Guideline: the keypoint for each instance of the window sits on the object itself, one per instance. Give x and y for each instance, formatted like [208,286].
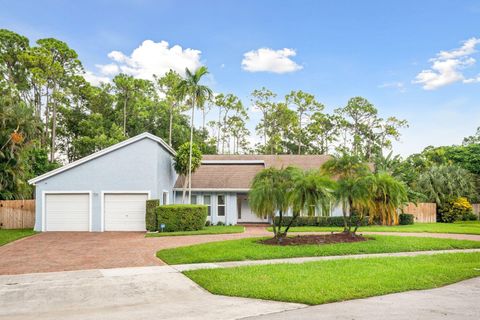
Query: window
[165,197]
[207,202]
[193,199]
[221,205]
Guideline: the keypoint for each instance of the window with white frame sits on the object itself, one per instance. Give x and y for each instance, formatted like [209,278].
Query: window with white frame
[193,199]
[207,200]
[221,205]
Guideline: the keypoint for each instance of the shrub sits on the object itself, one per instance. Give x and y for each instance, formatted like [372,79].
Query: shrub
[317,221]
[457,209]
[405,218]
[207,223]
[469,217]
[150,215]
[182,217]
[220,223]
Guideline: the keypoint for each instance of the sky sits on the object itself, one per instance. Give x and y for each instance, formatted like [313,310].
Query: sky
[415,60]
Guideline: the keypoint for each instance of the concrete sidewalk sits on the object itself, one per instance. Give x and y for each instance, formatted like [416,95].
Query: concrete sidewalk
[129,293]
[230,264]
[459,301]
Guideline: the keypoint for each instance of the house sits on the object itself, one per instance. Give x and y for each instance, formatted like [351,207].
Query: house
[107,190]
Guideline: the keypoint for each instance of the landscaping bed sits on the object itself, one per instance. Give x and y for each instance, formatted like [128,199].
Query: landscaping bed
[9,235]
[315,239]
[204,231]
[251,249]
[338,280]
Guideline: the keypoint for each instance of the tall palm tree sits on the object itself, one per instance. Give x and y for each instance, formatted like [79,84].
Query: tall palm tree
[191,89]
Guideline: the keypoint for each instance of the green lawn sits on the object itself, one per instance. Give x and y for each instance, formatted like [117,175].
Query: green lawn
[472,227]
[250,249]
[206,230]
[10,235]
[338,280]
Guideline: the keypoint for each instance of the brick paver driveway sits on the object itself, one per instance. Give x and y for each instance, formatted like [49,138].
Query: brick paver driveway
[63,251]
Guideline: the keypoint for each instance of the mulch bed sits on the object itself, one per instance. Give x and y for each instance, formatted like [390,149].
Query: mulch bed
[315,239]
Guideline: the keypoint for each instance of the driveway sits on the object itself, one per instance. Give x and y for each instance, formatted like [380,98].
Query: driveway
[66,251]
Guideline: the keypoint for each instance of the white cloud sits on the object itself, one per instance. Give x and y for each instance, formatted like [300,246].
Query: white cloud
[95,79]
[148,59]
[400,86]
[268,60]
[447,67]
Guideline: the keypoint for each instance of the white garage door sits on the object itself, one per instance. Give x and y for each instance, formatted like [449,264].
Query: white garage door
[67,212]
[125,211]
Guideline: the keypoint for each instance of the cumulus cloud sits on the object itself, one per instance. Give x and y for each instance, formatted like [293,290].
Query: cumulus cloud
[269,60]
[95,79]
[148,59]
[447,67]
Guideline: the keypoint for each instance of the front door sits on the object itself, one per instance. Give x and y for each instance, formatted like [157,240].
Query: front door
[245,214]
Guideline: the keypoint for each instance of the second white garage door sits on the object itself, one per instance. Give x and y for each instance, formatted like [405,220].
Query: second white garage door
[125,211]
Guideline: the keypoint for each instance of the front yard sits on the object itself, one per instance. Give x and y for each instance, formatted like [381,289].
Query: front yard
[206,230]
[471,227]
[9,235]
[338,280]
[250,249]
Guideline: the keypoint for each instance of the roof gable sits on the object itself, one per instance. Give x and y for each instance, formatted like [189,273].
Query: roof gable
[105,151]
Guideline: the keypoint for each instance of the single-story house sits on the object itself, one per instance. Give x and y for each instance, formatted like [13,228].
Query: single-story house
[106,191]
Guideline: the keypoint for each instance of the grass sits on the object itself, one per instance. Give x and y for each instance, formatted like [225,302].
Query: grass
[9,235]
[337,280]
[250,249]
[470,227]
[206,230]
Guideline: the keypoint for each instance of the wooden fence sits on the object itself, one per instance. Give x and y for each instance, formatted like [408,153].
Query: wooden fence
[17,214]
[476,209]
[423,212]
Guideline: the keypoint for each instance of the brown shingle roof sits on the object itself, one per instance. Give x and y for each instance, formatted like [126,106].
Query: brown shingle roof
[239,176]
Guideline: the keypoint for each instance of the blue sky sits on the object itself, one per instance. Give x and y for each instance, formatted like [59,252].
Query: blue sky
[335,50]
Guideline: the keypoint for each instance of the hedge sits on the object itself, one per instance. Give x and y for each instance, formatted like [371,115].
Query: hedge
[181,217]
[317,221]
[150,215]
[405,218]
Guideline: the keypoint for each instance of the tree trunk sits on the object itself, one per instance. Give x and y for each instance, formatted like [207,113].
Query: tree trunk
[54,130]
[47,116]
[190,155]
[170,126]
[184,190]
[125,116]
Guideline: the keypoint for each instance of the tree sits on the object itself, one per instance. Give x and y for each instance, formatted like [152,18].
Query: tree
[322,131]
[351,191]
[442,183]
[197,94]
[385,196]
[305,104]
[168,85]
[282,122]
[186,161]
[226,104]
[262,100]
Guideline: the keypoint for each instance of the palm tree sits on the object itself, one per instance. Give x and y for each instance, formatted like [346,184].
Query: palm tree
[351,191]
[311,191]
[270,194]
[197,94]
[386,195]
[275,191]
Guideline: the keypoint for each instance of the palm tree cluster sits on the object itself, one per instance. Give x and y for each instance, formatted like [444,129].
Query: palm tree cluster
[347,181]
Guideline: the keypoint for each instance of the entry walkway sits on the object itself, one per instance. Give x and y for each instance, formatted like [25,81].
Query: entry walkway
[230,264]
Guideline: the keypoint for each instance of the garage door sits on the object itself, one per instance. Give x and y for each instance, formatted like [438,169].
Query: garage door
[67,212]
[125,212]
